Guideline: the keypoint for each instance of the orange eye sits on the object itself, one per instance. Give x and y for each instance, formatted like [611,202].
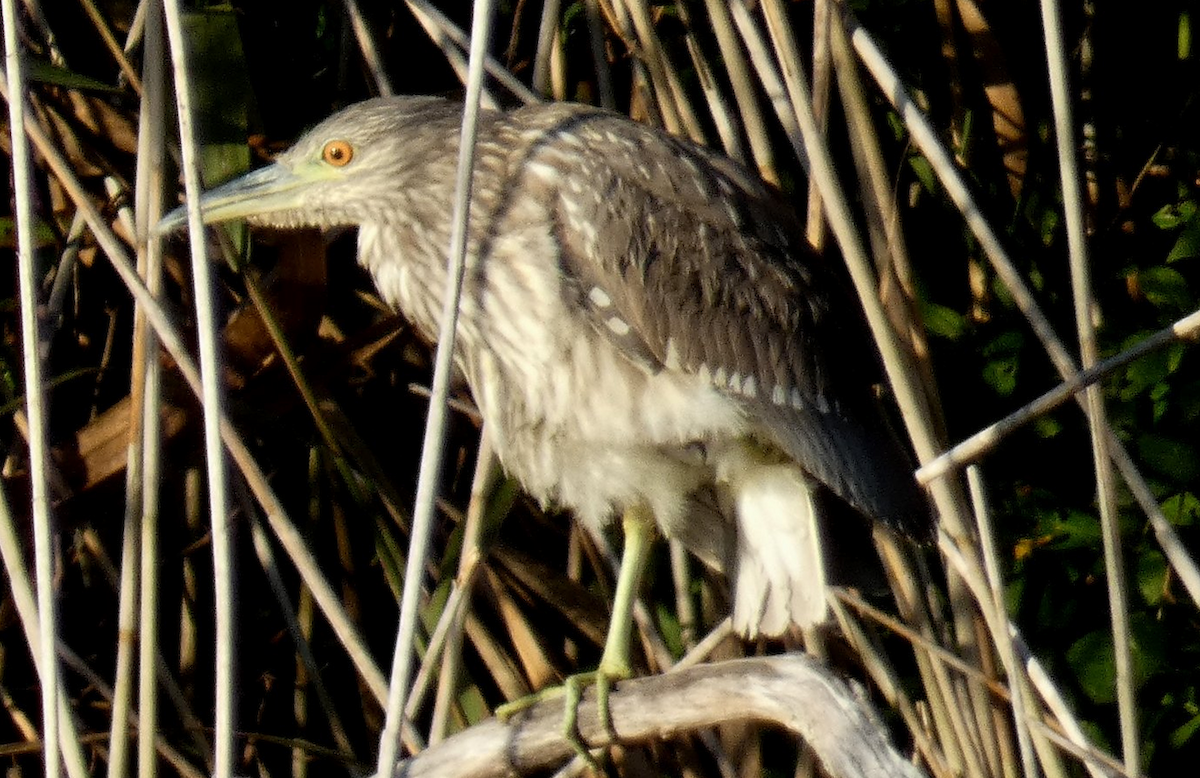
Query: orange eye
[338,153]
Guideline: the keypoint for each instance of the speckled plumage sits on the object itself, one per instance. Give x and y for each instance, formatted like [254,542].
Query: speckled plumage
[641,324]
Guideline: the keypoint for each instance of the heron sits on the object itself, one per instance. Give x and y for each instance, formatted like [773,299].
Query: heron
[643,327]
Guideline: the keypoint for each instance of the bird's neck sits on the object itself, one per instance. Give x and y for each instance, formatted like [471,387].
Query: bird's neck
[409,268]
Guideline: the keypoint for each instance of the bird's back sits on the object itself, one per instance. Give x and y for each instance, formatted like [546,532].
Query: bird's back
[687,264]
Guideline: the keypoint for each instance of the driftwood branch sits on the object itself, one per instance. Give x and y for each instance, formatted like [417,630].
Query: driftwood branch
[792,691]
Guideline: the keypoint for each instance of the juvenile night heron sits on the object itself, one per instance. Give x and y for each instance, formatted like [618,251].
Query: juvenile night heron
[642,326]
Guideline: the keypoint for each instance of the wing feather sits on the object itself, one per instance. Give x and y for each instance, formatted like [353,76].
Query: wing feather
[708,269]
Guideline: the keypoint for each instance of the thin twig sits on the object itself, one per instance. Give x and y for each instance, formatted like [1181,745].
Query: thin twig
[483,485]
[678,114]
[887,680]
[991,565]
[148,207]
[604,80]
[546,42]
[973,448]
[39,455]
[17,578]
[969,568]
[110,43]
[744,91]
[728,127]
[1114,567]
[224,726]
[164,749]
[90,541]
[366,47]
[444,32]
[266,558]
[884,229]
[429,475]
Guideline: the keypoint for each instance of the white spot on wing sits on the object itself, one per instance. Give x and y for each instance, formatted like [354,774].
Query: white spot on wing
[779,395]
[720,376]
[735,381]
[618,325]
[599,297]
[704,373]
[750,387]
[796,400]
[543,170]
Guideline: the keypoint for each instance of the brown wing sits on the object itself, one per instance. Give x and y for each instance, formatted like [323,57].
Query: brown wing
[686,262]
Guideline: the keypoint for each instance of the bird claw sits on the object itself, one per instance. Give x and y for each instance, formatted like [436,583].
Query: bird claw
[572,690]
[574,687]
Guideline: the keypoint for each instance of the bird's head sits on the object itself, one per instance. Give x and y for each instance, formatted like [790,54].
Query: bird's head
[347,170]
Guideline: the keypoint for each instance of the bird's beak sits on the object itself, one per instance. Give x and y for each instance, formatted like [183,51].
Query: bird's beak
[267,190]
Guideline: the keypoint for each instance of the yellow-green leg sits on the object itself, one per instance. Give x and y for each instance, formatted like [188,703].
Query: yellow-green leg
[614,662]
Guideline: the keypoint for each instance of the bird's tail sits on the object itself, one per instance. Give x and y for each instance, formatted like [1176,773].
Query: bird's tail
[777,567]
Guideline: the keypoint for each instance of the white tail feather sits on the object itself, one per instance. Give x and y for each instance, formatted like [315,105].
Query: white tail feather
[779,570]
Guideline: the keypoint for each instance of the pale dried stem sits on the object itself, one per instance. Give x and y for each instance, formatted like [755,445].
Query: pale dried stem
[35,401]
[1081,287]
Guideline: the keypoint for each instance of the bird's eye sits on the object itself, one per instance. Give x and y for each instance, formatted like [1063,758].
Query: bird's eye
[338,153]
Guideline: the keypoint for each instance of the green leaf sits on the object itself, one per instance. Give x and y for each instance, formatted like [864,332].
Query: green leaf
[1001,375]
[966,136]
[1165,287]
[1172,458]
[43,234]
[1077,529]
[671,629]
[1180,736]
[1182,510]
[223,99]
[1091,657]
[474,705]
[1175,352]
[1173,216]
[1047,426]
[1049,226]
[943,322]
[1036,279]
[1151,576]
[924,173]
[45,73]
[1183,37]
[1001,369]
[1149,647]
[1144,373]
[1187,245]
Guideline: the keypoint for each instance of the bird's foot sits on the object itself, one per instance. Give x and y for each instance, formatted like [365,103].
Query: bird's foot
[572,690]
